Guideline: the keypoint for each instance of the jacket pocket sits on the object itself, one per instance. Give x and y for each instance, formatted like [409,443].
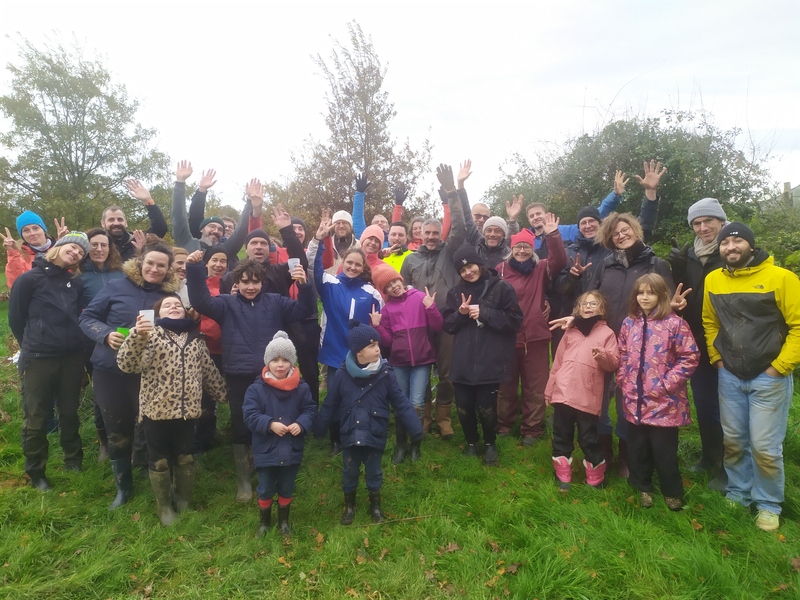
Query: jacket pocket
[379,421]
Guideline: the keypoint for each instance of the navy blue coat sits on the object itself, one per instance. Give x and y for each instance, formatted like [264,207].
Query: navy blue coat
[364,411]
[264,404]
[247,325]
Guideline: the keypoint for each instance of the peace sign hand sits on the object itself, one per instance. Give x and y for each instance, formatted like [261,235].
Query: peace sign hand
[8,241]
[678,301]
[61,229]
[577,269]
[428,300]
[464,308]
[375,317]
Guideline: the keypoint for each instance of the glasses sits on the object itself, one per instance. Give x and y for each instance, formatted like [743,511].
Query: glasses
[698,223]
[591,304]
[96,245]
[522,248]
[480,217]
[624,231]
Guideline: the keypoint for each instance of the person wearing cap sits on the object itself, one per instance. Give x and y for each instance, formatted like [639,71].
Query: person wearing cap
[530,277]
[360,397]
[279,411]
[483,315]
[43,310]
[35,242]
[751,317]
[116,225]
[690,266]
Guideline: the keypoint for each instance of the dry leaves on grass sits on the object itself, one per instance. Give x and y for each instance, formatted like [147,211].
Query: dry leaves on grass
[796,564]
[451,547]
[696,526]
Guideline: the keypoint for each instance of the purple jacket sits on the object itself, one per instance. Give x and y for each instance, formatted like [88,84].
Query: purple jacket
[406,326]
[656,358]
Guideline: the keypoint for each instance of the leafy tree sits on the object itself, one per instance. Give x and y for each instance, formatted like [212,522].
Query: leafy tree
[358,119]
[72,139]
[702,161]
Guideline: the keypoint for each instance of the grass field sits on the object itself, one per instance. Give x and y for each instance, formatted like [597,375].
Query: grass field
[456,530]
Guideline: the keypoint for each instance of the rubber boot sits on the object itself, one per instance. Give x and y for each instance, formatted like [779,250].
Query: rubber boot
[102,451]
[595,476]
[336,441]
[283,520]
[349,513]
[183,477]
[402,441]
[622,464]
[415,445]
[244,491]
[375,507]
[427,418]
[711,440]
[161,482]
[563,468]
[123,479]
[443,412]
[490,456]
[266,521]
[39,481]
[606,441]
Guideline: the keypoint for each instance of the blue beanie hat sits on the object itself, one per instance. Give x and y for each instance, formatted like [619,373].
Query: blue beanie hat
[29,218]
[361,336]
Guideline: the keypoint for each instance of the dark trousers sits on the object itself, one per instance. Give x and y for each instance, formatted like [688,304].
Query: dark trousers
[477,403]
[206,425]
[168,442]
[307,353]
[565,420]
[117,394]
[705,392]
[654,448]
[43,379]
[237,386]
[352,459]
[334,427]
[276,480]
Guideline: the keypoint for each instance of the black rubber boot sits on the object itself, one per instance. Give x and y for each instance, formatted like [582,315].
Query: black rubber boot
[375,507]
[123,479]
[349,513]
[161,482]
[283,520]
[415,450]
[490,455]
[471,450]
[266,521]
[606,442]
[39,481]
[402,441]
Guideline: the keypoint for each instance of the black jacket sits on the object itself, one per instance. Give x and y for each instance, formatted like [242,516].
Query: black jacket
[43,311]
[483,354]
[570,287]
[158,226]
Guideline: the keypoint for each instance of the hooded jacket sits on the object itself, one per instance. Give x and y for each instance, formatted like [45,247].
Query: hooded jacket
[117,305]
[43,310]
[656,359]
[405,328]
[751,318]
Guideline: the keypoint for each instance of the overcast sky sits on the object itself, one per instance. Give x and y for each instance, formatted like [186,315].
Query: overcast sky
[232,85]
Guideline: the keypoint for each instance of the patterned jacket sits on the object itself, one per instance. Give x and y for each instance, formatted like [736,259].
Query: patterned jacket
[175,368]
[656,358]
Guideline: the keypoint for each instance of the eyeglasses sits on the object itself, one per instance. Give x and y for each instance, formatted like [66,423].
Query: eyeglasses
[592,304]
[698,223]
[96,245]
[522,248]
[624,231]
[480,217]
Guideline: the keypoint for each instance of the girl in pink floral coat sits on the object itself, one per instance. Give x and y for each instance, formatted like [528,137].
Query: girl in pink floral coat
[657,355]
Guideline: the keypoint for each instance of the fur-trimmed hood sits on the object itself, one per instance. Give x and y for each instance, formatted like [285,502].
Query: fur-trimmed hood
[133,271]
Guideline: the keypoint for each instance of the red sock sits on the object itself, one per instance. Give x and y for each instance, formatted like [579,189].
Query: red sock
[284,501]
[264,503]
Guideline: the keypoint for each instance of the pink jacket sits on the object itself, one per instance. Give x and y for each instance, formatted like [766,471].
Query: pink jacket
[670,357]
[406,327]
[577,379]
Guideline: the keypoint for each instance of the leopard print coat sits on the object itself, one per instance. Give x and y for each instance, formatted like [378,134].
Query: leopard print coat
[175,368]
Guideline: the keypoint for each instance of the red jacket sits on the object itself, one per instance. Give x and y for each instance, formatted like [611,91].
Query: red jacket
[208,326]
[19,261]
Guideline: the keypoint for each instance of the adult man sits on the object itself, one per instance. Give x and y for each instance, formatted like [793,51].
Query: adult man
[342,240]
[432,266]
[690,267]
[397,251]
[116,225]
[751,316]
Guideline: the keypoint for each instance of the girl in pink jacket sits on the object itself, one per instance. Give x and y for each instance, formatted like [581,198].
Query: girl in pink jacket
[657,355]
[575,389]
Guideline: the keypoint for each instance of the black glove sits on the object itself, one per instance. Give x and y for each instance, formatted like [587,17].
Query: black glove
[444,173]
[677,256]
[361,183]
[400,195]
[442,195]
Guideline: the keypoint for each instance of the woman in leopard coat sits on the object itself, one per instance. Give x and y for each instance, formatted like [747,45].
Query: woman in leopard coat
[176,367]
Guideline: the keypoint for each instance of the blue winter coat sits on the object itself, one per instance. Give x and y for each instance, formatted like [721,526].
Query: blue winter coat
[247,325]
[264,404]
[95,279]
[364,411]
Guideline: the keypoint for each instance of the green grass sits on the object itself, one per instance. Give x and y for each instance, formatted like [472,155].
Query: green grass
[457,530]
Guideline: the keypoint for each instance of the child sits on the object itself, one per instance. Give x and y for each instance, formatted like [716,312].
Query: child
[176,367]
[657,355]
[361,392]
[279,410]
[405,324]
[575,388]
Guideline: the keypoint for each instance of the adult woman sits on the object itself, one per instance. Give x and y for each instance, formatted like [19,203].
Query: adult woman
[348,295]
[35,242]
[148,278]
[43,315]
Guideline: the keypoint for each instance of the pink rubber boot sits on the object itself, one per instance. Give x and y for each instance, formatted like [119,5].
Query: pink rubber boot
[595,476]
[563,467]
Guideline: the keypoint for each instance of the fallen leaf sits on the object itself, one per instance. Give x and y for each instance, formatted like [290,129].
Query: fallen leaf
[698,507]
[366,542]
[5,417]
[781,588]
[576,501]
[696,526]
[781,537]
[135,517]
[351,592]
[492,582]
[501,571]
[212,571]
[361,559]
[506,592]
[282,560]
[430,575]
[451,547]
[78,551]
[494,546]
[593,574]
[384,552]
[622,554]
[726,552]
[148,590]
[512,568]
[666,556]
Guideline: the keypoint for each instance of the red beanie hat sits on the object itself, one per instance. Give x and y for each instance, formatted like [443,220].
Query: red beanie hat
[525,236]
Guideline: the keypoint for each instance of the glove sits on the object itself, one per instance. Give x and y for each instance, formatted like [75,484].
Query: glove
[361,183]
[444,173]
[400,195]
[677,256]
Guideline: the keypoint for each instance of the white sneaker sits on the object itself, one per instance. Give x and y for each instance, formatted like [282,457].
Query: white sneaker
[767,521]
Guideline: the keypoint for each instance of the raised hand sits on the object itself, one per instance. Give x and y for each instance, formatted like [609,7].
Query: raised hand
[678,301]
[280,217]
[325,226]
[195,257]
[551,223]
[619,183]
[464,308]
[384,252]
[375,317]
[255,191]
[444,173]
[653,172]
[577,268]
[400,194]
[61,228]
[361,183]
[143,326]
[138,240]
[514,207]
[428,300]
[207,180]
[464,172]
[8,241]
[184,171]
[138,191]
[563,323]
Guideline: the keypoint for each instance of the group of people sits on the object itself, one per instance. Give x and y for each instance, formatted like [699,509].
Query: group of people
[165,332]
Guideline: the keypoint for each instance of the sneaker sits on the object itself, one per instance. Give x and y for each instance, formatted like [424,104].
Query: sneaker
[767,521]
[675,504]
[646,499]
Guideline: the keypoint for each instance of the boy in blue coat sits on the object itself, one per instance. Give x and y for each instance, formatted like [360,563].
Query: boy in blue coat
[361,394]
[279,410]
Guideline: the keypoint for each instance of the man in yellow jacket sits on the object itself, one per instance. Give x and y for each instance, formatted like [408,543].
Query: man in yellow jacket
[751,316]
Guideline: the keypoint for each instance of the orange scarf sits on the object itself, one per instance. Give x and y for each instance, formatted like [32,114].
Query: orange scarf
[291,381]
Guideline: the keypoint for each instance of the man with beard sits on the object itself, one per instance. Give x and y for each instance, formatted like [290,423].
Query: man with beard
[751,317]
[398,250]
[116,225]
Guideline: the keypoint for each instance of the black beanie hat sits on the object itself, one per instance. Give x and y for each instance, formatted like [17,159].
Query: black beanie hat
[299,221]
[589,211]
[467,255]
[216,220]
[256,233]
[739,230]
[360,336]
[218,249]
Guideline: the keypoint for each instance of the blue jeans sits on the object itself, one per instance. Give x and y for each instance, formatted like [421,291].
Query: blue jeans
[754,413]
[414,381]
[280,480]
[352,457]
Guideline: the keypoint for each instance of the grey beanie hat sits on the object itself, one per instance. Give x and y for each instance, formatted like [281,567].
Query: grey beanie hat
[707,207]
[497,222]
[75,237]
[280,345]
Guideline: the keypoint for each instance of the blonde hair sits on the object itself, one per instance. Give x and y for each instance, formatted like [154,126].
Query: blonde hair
[658,286]
[601,303]
[52,254]
[609,224]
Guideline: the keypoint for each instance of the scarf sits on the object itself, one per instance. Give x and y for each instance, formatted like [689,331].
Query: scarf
[526,267]
[290,382]
[358,372]
[176,325]
[705,251]
[42,249]
[585,325]
[627,256]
